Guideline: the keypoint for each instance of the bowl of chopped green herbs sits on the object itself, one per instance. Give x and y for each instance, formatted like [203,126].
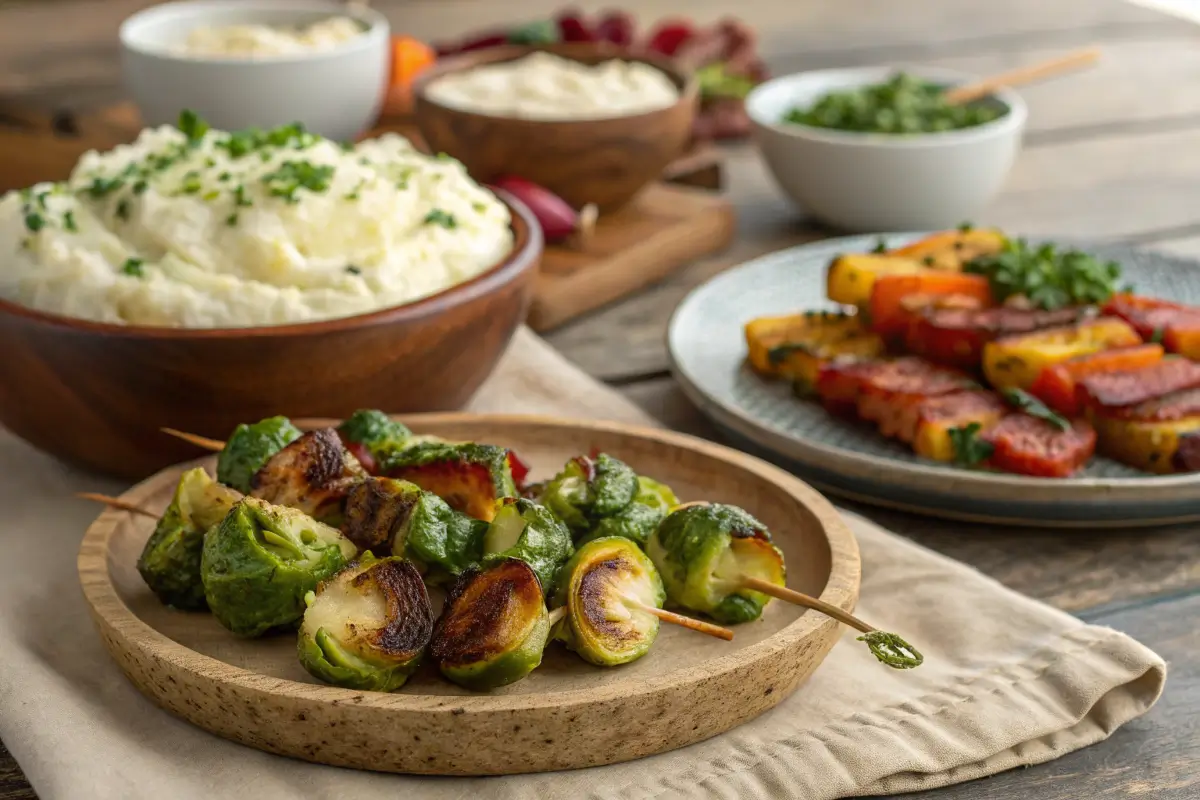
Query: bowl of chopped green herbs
[880,149]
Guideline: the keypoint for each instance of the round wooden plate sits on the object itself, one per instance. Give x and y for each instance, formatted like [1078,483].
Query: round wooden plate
[566,714]
[707,347]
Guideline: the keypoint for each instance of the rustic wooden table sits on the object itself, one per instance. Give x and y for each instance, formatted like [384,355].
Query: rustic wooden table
[1112,154]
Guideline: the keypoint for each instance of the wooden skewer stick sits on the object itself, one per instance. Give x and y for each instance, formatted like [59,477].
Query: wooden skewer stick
[116,502]
[680,620]
[557,614]
[200,441]
[1046,69]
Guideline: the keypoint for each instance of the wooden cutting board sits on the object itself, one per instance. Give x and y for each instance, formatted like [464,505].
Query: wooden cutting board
[672,223]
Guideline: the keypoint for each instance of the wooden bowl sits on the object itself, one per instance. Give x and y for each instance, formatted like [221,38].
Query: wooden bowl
[567,713]
[601,161]
[97,395]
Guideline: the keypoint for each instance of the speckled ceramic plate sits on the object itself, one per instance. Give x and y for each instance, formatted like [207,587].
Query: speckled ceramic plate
[708,352]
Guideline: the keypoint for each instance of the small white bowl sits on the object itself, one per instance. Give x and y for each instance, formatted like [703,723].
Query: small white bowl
[882,182]
[336,92]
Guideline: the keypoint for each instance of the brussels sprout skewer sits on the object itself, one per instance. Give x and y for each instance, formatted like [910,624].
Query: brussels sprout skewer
[888,648]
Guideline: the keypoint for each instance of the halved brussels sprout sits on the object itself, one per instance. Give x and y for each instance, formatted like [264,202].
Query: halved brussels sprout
[312,474]
[249,447]
[373,432]
[170,561]
[401,519]
[655,494]
[589,489]
[367,626]
[261,560]
[603,586]
[704,552]
[638,519]
[470,477]
[522,529]
[493,627]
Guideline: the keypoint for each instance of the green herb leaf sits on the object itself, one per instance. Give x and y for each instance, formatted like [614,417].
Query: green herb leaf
[123,209]
[353,270]
[881,245]
[69,222]
[439,217]
[34,221]
[1156,336]
[969,449]
[133,267]
[1048,277]
[292,176]
[1034,407]
[191,126]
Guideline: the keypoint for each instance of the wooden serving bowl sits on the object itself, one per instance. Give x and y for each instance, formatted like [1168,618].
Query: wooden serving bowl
[567,713]
[601,161]
[97,395]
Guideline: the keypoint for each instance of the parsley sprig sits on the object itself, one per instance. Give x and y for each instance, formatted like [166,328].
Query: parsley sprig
[1048,277]
[970,449]
[1023,400]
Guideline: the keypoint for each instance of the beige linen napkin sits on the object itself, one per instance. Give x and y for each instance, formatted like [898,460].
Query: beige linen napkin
[1007,681]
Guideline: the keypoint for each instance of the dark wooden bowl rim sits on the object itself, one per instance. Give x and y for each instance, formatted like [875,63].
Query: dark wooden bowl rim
[527,249]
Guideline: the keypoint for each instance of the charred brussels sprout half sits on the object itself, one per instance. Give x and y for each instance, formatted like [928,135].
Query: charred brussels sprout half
[493,627]
[470,477]
[374,431]
[589,489]
[261,560]
[249,447]
[399,518]
[524,530]
[170,561]
[704,552]
[367,626]
[603,586]
[312,474]
[639,519]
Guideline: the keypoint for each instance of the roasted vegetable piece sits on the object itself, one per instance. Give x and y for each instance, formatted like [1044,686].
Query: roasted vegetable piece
[399,518]
[602,586]
[1015,361]
[938,416]
[1151,435]
[956,337]
[249,447]
[262,559]
[703,553]
[795,347]
[1026,445]
[639,519]
[1175,325]
[312,474]
[1056,384]
[949,250]
[588,489]
[493,628]
[896,300]
[850,278]
[1115,389]
[470,477]
[892,397]
[367,627]
[839,383]
[368,432]
[1187,454]
[527,531]
[170,561]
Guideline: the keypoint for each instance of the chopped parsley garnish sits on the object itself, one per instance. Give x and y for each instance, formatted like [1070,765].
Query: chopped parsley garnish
[439,217]
[880,246]
[965,227]
[123,209]
[1034,407]
[191,126]
[1156,336]
[224,176]
[1050,278]
[293,176]
[353,270]
[133,267]
[191,182]
[34,221]
[69,222]
[140,187]
[102,187]
[232,219]
[969,449]
[240,199]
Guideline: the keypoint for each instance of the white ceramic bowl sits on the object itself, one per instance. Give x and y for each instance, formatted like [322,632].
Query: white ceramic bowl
[882,182]
[336,93]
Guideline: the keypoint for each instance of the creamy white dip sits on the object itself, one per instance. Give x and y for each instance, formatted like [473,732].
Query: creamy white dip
[208,229]
[545,86]
[264,41]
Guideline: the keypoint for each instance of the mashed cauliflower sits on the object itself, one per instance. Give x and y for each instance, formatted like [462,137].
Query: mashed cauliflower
[264,41]
[193,228]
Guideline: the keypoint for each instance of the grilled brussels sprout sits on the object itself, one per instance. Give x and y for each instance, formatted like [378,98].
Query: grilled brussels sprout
[589,489]
[367,627]
[261,560]
[170,561]
[401,519]
[312,474]
[375,432]
[493,628]
[249,447]
[522,529]
[470,477]
[703,552]
[602,586]
[637,520]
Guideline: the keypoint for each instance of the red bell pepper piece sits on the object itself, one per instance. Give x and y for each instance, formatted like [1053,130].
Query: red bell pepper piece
[1056,384]
[1027,445]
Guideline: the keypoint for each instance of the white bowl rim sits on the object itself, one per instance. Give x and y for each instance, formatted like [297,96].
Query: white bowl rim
[377,29]
[1010,123]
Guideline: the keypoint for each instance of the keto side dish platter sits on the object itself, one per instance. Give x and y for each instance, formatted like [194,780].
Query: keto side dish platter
[458,594]
[963,373]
